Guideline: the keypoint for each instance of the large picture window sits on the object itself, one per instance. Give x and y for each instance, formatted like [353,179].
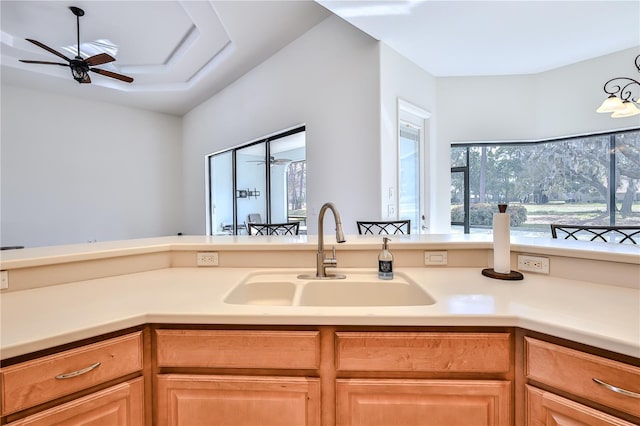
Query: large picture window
[263,181]
[586,180]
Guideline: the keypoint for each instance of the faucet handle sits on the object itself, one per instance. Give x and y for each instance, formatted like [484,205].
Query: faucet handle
[331,261]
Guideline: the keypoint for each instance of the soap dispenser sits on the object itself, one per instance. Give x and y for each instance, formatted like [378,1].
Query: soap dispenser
[385,261]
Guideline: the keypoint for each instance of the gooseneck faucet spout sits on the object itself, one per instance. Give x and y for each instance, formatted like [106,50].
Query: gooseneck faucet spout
[321,261]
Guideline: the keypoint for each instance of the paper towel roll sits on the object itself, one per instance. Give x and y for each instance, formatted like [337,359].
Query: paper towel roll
[501,243]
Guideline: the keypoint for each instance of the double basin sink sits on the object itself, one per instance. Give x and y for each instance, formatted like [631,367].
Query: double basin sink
[357,289]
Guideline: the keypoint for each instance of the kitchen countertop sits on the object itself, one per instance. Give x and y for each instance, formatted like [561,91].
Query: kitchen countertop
[595,314]
[37,256]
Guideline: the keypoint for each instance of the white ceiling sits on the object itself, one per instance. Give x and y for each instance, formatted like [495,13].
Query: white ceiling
[180,53]
[466,38]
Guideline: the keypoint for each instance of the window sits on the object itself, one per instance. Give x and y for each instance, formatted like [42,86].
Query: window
[409,174]
[257,181]
[412,123]
[586,180]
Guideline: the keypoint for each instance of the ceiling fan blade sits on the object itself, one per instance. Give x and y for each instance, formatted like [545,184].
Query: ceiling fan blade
[48,49]
[99,59]
[113,75]
[42,62]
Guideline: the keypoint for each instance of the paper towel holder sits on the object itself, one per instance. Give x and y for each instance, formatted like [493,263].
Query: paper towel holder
[511,275]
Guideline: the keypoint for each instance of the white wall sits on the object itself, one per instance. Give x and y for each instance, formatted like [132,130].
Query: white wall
[328,79]
[401,78]
[555,103]
[74,171]
[566,98]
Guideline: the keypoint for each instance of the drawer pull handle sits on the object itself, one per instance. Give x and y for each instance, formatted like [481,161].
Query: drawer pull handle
[78,372]
[617,389]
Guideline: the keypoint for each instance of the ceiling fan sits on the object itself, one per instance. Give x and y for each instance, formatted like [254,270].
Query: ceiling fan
[80,67]
[272,161]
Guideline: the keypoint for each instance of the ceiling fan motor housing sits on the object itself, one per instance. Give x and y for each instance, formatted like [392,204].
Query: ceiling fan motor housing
[79,69]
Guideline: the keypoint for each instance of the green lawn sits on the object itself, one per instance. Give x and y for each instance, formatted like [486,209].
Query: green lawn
[580,214]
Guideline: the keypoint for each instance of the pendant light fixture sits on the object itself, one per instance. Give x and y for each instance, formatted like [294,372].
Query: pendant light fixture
[620,102]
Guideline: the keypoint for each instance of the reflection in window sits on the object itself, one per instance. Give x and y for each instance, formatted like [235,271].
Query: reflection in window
[627,178]
[297,193]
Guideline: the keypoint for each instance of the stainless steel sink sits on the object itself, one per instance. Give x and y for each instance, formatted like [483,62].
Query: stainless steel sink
[358,289]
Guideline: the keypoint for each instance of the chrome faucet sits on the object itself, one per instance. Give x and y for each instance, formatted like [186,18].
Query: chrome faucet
[321,262]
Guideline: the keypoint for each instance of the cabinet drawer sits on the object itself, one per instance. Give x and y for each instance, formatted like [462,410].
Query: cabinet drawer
[573,371]
[119,405]
[429,352]
[545,408]
[34,382]
[238,349]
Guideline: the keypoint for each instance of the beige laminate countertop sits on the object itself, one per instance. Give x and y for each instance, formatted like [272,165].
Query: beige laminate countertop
[38,256]
[595,314]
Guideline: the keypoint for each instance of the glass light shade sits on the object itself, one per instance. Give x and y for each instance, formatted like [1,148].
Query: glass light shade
[611,104]
[628,110]
[78,73]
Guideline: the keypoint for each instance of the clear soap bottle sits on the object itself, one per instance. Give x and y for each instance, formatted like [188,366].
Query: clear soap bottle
[385,261]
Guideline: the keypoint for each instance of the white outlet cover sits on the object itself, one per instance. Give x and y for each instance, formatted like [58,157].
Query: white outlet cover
[538,264]
[207,258]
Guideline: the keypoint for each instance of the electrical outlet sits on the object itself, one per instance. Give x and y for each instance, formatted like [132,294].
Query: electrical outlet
[533,264]
[435,258]
[4,279]
[208,258]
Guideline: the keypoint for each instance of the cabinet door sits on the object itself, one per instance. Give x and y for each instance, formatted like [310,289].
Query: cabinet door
[119,405]
[547,409]
[208,400]
[388,402]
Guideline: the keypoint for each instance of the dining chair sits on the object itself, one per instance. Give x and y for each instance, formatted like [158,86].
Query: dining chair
[384,227]
[273,228]
[616,234]
[254,218]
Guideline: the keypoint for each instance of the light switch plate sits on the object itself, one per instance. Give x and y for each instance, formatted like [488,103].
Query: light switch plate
[391,210]
[435,258]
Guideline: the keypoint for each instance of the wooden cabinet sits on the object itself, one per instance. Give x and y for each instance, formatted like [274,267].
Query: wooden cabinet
[548,409]
[208,400]
[277,385]
[119,405]
[42,390]
[404,402]
[423,378]
[573,376]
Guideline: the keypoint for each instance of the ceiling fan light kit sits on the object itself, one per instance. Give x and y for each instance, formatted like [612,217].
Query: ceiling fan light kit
[620,102]
[80,67]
